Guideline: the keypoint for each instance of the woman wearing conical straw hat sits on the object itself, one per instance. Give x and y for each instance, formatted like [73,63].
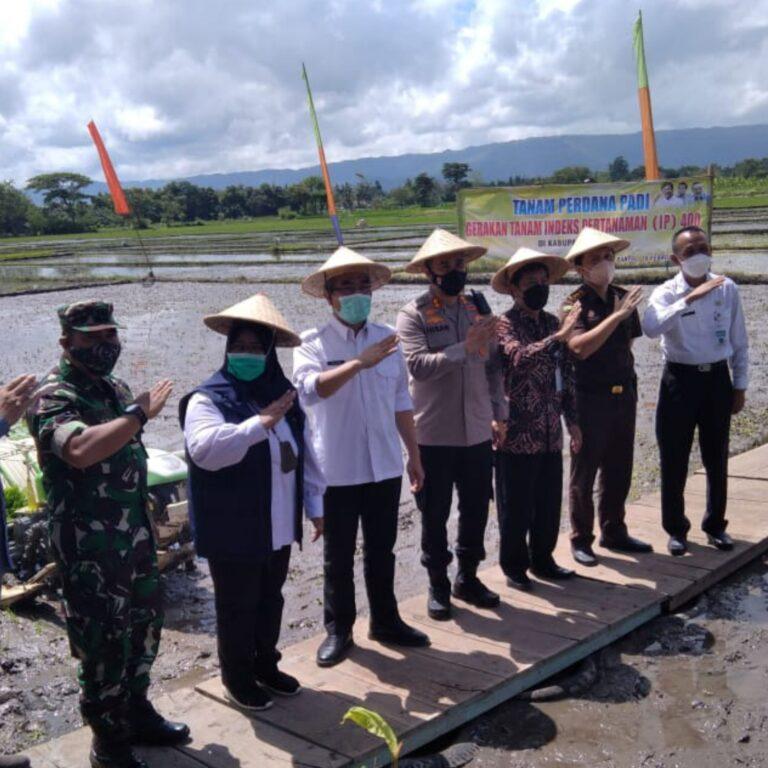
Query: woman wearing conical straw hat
[538,381]
[351,378]
[606,392]
[456,387]
[252,470]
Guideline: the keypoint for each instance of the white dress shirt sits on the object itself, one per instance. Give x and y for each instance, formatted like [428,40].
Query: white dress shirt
[214,444]
[707,330]
[354,429]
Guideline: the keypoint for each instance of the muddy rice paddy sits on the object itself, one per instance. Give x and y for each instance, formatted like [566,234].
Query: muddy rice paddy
[686,690]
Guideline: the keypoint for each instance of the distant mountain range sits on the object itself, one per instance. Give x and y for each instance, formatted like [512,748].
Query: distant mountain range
[526,157]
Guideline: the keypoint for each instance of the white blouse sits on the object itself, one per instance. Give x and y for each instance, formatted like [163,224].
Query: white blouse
[213,444]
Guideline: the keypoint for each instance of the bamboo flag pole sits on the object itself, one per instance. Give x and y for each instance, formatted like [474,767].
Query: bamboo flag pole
[644,96]
[323,164]
[116,191]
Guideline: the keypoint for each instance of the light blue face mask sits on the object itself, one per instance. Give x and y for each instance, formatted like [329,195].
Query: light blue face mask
[245,366]
[354,309]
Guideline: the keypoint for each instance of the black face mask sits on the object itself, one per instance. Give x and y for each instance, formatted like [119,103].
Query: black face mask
[536,297]
[99,359]
[452,283]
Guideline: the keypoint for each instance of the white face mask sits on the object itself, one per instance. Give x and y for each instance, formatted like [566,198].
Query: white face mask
[602,273]
[696,266]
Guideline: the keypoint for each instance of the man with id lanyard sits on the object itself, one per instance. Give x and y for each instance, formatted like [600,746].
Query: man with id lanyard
[351,378]
[699,318]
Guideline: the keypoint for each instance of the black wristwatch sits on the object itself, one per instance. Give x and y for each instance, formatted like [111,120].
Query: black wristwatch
[136,410]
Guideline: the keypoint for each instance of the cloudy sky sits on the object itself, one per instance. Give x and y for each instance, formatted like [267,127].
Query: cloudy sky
[181,87]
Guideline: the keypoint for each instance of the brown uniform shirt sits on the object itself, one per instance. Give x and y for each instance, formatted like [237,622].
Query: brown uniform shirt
[455,394]
[613,364]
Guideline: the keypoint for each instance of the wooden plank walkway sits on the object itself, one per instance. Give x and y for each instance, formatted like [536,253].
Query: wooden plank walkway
[477,660]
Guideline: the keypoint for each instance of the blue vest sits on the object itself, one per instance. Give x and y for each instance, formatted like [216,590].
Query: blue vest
[230,509]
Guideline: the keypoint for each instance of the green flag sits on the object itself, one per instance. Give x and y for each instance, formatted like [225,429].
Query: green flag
[637,39]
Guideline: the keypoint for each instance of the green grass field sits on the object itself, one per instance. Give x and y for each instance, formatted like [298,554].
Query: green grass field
[382,217]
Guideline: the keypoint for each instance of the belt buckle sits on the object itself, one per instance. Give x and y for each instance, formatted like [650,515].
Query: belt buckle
[704,368]
[617,389]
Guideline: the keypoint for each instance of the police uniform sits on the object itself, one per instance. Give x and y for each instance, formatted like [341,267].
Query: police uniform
[456,395]
[100,537]
[606,404]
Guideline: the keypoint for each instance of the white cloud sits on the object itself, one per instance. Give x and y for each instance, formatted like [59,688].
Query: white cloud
[196,87]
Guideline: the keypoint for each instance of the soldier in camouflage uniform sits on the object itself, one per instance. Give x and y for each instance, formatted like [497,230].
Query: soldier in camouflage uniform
[87,427]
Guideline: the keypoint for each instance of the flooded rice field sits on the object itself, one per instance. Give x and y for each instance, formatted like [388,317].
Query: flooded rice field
[165,336]
[740,241]
[662,697]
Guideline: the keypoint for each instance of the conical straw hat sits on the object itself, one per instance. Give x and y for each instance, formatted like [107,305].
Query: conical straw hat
[442,243]
[344,260]
[257,309]
[556,265]
[589,239]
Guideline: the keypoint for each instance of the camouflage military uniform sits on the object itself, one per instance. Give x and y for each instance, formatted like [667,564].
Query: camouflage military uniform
[102,541]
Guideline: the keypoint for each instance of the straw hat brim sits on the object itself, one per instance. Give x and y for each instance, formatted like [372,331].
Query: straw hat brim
[616,246]
[258,310]
[472,252]
[556,266]
[314,285]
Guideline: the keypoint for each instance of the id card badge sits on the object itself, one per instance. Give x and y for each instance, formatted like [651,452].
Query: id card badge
[288,459]
[558,379]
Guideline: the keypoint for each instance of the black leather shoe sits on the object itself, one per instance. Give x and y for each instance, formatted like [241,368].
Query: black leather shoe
[720,540]
[471,590]
[584,555]
[399,634]
[677,545]
[519,581]
[14,761]
[148,726]
[439,604]
[333,649]
[279,683]
[552,571]
[113,753]
[628,544]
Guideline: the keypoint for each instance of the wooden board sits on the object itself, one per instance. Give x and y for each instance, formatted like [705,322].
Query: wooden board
[477,660]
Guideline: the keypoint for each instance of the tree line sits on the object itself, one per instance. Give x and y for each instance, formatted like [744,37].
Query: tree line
[66,207]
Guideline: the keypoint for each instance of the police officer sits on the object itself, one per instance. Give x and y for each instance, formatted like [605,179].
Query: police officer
[14,400]
[606,396]
[701,323]
[446,337]
[87,427]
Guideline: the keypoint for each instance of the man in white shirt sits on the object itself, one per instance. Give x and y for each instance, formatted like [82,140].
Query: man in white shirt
[352,381]
[699,318]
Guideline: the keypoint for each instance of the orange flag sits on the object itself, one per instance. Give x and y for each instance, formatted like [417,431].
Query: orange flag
[118,196]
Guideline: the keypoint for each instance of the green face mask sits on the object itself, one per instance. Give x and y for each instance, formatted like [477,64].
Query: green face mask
[245,366]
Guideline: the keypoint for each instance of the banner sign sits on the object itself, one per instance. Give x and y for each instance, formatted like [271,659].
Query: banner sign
[549,217]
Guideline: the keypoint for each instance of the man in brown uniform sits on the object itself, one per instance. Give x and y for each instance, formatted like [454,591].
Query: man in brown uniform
[606,395]
[446,337]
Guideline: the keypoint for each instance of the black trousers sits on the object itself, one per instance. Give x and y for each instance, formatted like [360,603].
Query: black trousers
[249,610]
[529,490]
[608,429]
[689,398]
[470,469]
[375,506]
